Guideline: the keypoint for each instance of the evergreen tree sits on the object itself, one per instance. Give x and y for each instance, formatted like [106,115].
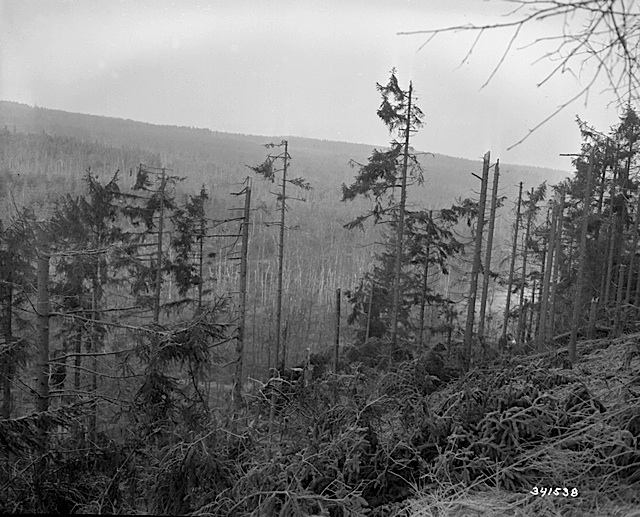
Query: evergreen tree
[190,229]
[430,242]
[268,170]
[387,170]
[16,271]
[85,231]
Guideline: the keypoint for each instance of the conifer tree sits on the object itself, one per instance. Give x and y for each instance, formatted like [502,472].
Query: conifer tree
[85,229]
[430,242]
[16,269]
[268,170]
[190,230]
[388,170]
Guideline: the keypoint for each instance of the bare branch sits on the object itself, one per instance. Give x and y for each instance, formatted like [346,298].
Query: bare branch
[504,56]
[605,33]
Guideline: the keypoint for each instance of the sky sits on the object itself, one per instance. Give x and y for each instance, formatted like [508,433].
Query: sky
[298,68]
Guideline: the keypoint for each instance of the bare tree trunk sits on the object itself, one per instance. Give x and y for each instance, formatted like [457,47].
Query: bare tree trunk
[336,350]
[42,371]
[620,290]
[521,316]
[96,342]
[158,286]
[425,282]
[283,208]
[543,265]
[577,300]
[543,334]
[512,267]
[487,261]
[77,341]
[285,335]
[556,265]
[477,258]
[608,279]
[533,311]
[601,190]
[201,263]
[281,256]
[632,256]
[367,333]
[42,308]
[243,298]
[613,234]
[6,295]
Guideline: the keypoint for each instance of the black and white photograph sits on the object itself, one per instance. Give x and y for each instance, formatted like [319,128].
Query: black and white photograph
[282,258]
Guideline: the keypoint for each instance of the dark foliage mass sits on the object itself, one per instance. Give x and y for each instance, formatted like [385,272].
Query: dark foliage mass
[347,445]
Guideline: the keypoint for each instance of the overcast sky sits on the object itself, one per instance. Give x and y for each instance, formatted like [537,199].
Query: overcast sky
[294,67]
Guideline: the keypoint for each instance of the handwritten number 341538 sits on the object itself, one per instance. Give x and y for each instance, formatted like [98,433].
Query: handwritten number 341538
[554,491]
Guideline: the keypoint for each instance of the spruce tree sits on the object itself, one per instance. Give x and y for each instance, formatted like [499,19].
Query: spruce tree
[387,170]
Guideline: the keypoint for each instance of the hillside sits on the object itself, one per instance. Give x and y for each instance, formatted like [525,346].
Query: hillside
[506,437]
[143,372]
[216,158]
[45,153]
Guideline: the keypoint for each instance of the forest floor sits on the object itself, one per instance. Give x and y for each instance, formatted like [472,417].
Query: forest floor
[528,436]
[606,379]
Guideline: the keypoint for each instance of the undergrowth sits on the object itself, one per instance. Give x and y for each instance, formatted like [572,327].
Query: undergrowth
[363,442]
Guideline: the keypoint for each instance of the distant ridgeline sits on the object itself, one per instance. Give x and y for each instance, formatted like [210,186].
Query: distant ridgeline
[74,142]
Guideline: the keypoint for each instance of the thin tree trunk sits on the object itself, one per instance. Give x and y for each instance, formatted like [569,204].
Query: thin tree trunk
[477,258]
[613,233]
[397,294]
[620,290]
[42,308]
[593,317]
[556,266]
[632,256]
[449,328]
[96,341]
[601,192]
[512,266]
[200,263]
[158,286]
[425,282]
[77,341]
[336,350]
[622,210]
[571,252]
[283,207]
[281,256]
[42,371]
[543,334]
[368,331]
[243,298]
[487,261]
[577,300]
[521,316]
[6,295]
[543,266]
[608,279]
[532,311]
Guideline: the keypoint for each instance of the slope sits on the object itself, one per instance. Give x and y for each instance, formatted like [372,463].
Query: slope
[204,155]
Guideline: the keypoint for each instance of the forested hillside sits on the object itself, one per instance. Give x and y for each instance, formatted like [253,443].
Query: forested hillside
[194,322]
[217,159]
[46,154]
